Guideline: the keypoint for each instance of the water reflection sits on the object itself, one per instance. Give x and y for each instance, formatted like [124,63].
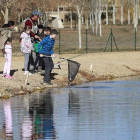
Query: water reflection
[8,120]
[41,110]
[103,111]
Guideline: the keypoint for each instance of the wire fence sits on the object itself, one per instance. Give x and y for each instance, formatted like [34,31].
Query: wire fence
[114,38]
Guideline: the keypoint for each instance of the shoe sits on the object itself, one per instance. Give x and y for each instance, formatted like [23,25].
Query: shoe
[26,73]
[39,70]
[3,75]
[8,76]
[47,82]
[33,71]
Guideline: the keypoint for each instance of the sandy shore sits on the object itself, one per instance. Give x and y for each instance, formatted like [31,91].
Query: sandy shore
[105,66]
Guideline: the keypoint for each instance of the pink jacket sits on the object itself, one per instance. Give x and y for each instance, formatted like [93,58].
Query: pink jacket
[26,44]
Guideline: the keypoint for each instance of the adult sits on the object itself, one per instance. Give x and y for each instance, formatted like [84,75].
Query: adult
[32,22]
[5,33]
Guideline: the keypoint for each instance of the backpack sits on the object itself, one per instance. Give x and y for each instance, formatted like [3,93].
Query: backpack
[3,32]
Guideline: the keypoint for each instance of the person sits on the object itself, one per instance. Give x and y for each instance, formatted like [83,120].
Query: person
[8,58]
[32,22]
[46,32]
[5,33]
[37,41]
[47,49]
[26,46]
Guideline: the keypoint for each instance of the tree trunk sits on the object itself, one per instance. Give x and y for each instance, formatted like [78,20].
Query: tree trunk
[71,19]
[90,19]
[121,12]
[100,20]
[92,23]
[106,12]
[82,20]
[19,22]
[79,22]
[87,23]
[134,16]
[128,11]
[114,11]
[96,20]
[79,27]
[137,9]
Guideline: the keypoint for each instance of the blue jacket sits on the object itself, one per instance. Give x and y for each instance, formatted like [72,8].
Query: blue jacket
[47,45]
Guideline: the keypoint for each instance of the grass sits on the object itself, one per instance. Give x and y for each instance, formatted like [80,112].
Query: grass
[124,37]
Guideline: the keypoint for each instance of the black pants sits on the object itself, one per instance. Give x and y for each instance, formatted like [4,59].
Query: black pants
[38,62]
[48,67]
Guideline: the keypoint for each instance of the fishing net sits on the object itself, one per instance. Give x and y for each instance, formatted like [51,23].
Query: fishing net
[73,68]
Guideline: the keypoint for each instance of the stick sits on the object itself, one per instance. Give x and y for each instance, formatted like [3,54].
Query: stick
[43,55]
[58,63]
[27,75]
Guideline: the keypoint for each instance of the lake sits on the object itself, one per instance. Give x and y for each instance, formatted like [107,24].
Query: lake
[102,110]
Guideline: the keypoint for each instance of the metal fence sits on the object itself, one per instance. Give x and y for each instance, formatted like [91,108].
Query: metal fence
[114,38]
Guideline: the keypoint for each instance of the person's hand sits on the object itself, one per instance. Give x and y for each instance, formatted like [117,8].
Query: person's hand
[53,55]
[36,36]
[40,39]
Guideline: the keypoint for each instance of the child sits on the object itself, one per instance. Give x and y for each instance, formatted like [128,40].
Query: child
[26,46]
[37,41]
[8,58]
[47,49]
[46,32]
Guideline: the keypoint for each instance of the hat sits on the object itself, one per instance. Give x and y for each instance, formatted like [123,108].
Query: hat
[36,13]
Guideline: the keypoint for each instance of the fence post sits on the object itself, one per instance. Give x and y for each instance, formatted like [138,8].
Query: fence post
[59,41]
[111,39]
[135,39]
[86,41]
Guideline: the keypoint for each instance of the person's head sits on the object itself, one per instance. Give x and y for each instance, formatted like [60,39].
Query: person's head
[54,33]
[40,28]
[47,30]
[11,24]
[35,15]
[27,29]
[5,26]
[8,41]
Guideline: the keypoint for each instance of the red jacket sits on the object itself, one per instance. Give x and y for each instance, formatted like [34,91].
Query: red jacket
[29,23]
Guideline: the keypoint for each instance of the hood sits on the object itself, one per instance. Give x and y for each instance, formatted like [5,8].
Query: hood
[23,35]
[1,29]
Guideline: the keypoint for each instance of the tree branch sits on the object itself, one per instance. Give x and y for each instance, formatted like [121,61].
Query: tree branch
[2,12]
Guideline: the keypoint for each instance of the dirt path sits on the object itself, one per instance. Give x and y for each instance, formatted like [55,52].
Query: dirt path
[105,66]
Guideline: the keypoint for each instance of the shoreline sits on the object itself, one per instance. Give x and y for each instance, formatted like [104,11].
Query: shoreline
[94,67]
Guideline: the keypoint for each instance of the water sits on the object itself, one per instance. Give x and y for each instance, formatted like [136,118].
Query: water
[105,110]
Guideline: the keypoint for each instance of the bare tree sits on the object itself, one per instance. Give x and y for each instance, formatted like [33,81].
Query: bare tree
[134,13]
[92,15]
[5,6]
[114,10]
[79,5]
[121,12]
[100,20]
[106,12]
[128,11]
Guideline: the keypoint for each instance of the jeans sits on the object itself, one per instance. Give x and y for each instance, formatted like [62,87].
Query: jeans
[48,67]
[32,60]
[26,56]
